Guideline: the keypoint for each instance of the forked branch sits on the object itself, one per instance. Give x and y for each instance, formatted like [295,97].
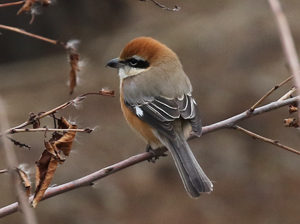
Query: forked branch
[74,102]
[287,43]
[91,178]
[268,140]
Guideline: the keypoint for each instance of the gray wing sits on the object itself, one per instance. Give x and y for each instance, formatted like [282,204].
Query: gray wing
[160,112]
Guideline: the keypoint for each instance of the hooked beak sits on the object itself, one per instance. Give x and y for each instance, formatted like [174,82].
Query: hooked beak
[115,63]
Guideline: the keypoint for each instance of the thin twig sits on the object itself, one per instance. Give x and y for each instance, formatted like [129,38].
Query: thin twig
[287,43]
[269,93]
[4,171]
[175,9]
[230,122]
[89,179]
[19,144]
[11,4]
[268,140]
[17,30]
[287,95]
[13,131]
[12,163]
[74,101]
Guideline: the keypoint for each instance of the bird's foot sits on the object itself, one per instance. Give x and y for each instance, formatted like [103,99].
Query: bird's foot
[156,153]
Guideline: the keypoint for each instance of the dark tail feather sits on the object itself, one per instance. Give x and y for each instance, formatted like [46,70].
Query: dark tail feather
[193,177]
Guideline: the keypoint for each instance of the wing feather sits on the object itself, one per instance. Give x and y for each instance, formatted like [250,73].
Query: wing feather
[160,112]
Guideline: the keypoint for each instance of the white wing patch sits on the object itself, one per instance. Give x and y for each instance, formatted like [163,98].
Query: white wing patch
[138,111]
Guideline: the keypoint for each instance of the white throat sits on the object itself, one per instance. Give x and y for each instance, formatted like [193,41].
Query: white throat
[128,71]
[122,73]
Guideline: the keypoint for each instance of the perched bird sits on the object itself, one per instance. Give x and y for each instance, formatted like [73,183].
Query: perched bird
[156,100]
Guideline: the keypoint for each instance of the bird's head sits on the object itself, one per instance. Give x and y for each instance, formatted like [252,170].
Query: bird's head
[142,54]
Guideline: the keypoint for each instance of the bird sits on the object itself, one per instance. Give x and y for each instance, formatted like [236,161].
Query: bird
[156,100]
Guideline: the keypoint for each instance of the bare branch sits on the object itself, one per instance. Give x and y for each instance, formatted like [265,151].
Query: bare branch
[175,9]
[89,179]
[12,164]
[11,4]
[287,42]
[287,95]
[13,131]
[17,30]
[268,140]
[230,122]
[4,171]
[269,93]
[19,144]
[75,101]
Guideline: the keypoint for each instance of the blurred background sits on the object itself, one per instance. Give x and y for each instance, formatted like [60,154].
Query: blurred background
[231,51]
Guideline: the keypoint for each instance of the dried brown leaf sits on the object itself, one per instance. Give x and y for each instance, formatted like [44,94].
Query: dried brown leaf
[291,122]
[47,164]
[293,109]
[64,142]
[25,181]
[45,169]
[74,59]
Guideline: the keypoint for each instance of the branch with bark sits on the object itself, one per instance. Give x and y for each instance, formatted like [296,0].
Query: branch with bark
[12,163]
[88,180]
[288,44]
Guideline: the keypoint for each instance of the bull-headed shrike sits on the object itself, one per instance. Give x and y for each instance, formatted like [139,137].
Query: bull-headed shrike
[156,100]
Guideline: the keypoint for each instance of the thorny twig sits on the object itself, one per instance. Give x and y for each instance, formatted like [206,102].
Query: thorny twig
[175,9]
[268,140]
[287,43]
[252,108]
[89,179]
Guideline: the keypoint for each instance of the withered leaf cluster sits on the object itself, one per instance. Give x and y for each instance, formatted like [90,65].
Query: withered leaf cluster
[51,157]
[291,121]
[28,4]
[74,59]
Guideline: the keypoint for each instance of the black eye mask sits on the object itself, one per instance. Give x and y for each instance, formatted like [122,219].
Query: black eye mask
[137,63]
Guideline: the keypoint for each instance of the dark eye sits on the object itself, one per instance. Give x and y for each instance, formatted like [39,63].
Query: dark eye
[133,62]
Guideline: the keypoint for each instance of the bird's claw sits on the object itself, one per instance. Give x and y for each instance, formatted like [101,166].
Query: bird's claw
[156,153]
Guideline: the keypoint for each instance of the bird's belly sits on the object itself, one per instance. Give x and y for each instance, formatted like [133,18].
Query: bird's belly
[142,128]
